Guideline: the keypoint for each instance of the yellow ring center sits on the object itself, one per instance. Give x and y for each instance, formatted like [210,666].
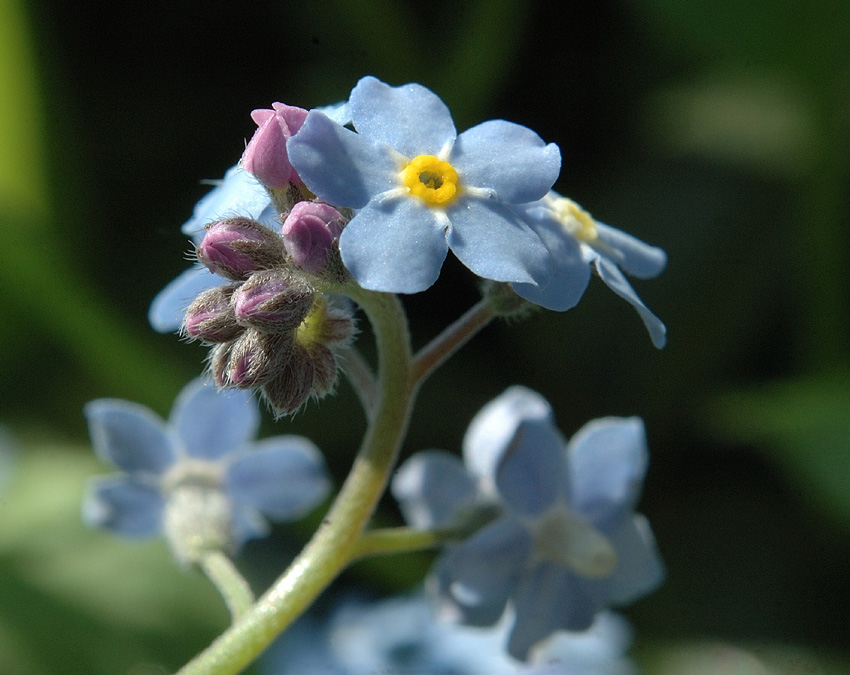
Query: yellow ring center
[431,179]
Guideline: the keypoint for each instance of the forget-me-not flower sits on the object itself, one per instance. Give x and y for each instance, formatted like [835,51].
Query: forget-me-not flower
[567,543]
[576,241]
[237,194]
[199,478]
[420,188]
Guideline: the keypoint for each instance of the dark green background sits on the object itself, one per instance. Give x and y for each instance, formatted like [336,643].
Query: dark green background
[717,130]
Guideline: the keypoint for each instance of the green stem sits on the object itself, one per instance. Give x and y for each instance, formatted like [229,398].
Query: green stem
[436,352]
[236,592]
[333,545]
[402,540]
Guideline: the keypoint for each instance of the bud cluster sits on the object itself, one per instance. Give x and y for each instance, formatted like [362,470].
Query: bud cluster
[269,328]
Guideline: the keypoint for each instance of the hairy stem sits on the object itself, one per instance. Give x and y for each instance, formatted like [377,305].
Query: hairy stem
[236,592]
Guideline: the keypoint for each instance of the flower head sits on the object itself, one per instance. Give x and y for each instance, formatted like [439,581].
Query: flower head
[567,543]
[420,188]
[199,478]
[576,242]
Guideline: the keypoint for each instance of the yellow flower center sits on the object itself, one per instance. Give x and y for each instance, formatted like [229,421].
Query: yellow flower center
[575,219]
[431,179]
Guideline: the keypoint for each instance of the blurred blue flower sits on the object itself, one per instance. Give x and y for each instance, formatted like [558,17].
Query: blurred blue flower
[237,194]
[566,543]
[200,473]
[400,635]
[421,188]
[576,241]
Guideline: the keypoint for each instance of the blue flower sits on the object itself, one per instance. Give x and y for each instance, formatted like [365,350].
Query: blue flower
[576,241]
[198,477]
[237,194]
[420,188]
[566,544]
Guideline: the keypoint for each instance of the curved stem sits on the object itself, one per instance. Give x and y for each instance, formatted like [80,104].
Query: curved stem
[436,352]
[223,574]
[402,540]
[334,543]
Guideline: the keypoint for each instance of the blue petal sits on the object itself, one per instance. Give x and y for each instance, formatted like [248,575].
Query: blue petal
[338,112]
[123,505]
[634,256]
[431,487]
[530,475]
[170,304]
[547,600]
[479,574]
[607,460]
[247,523]
[284,477]
[493,428]
[493,242]
[569,274]
[614,279]
[338,165]
[237,194]
[397,247]
[508,158]
[411,119]
[211,422]
[130,436]
[640,569]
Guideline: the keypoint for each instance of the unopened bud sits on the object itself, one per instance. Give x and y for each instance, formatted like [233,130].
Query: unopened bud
[265,156]
[235,247]
[309,233]
[210,317]
[254,357]
[272,301]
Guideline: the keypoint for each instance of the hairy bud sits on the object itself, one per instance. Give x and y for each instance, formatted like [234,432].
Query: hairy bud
[210,317]
[309,233]
[235,247]
[272,301]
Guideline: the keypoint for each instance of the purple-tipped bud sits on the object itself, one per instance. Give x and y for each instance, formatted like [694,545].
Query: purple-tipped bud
[235,247]
[255,357]
[210,317]
[309,233]
[265,156]
[272,301]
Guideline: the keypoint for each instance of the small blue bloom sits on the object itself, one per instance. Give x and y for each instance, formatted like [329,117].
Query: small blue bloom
[567,543]
[237,194]
[576,241]
[420,188]
[200,473]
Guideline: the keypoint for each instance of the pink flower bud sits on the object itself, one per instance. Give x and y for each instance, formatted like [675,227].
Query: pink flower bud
[210,317]
[272,302]
[309,232]
[235,247]
[265,156]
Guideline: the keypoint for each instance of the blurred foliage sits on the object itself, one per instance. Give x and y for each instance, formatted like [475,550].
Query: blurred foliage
[719,131]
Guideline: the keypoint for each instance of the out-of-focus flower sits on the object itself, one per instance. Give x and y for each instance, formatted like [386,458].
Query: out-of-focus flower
[420,188]
[199,478]
[576,242]
[567,543]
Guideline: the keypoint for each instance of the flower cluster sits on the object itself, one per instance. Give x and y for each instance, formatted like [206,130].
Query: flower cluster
[399,635]
[565,542]
[198,479]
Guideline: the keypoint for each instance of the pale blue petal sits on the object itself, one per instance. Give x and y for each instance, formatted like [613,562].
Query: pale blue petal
[569,273]
[247,523]
[480,573]
[614,279]
[124,506]
[397,246]
[431,487]
[169,306]
[508,158]
[494,427]
[338,112]
[211,422]
[284,477]
[237,194]
[640,570]
[411,119]
[607,461]
[493,242]
[530,476]
[130,436]
[548,599]
[634,256]
[338,165]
